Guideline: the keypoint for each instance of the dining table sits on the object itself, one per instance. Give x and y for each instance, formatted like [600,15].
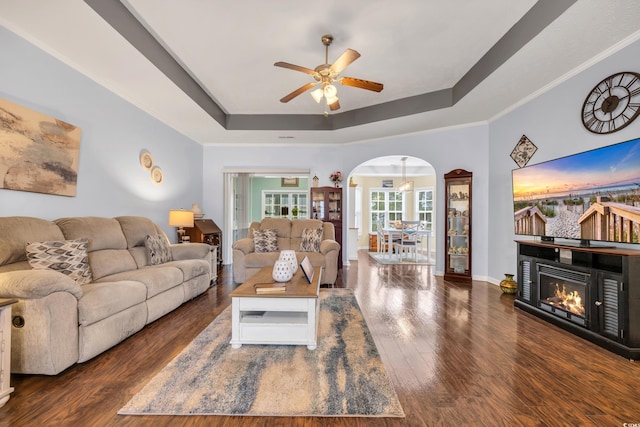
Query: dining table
[396,233]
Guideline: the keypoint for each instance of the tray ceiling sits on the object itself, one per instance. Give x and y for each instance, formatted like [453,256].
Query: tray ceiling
[206,67]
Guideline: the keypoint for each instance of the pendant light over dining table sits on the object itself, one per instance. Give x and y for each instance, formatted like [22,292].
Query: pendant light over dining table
[405,185]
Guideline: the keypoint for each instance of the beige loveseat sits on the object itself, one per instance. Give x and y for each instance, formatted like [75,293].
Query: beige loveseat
[246,261]
[57,321]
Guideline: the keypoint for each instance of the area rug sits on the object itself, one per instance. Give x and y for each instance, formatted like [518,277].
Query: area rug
[386,259]
[344,376]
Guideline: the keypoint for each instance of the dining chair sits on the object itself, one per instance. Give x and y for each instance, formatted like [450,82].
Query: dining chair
[382,243]
[409,239]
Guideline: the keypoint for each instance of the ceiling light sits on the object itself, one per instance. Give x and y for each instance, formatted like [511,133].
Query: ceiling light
[405,185]
[317,95]
[330,91]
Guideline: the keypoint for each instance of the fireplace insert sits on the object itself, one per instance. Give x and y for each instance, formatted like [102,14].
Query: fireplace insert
[590,292]
[564,293]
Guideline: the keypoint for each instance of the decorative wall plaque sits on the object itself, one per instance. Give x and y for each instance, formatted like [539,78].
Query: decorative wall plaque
[523,151]
[146,160]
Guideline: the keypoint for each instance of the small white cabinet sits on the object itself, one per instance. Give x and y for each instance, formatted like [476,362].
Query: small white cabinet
[5,350]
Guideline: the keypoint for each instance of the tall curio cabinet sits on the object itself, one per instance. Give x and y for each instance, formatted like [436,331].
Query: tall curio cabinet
[458,225]
[326,205]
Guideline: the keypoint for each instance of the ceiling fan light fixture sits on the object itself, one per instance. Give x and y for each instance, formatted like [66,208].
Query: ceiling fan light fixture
[330,91]
[331,99]
[317,95]
[326,74]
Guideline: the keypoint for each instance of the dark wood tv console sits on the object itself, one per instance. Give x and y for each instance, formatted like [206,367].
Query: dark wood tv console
[593,292]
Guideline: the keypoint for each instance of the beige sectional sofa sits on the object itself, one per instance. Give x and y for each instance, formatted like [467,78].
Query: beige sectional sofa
[246,261]
[58,321]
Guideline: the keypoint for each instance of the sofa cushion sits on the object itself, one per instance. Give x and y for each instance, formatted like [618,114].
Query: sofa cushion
[157,278]
[316,258]
[265,240]
[158,250]
[299,225]
[108,252]
[136,229]
[105,299]
[194,250]
[103,233]
[259,260]
[110,261]
[310,240]
[17,231]
[191,267]
[282,226]
[36,284]
[66,256]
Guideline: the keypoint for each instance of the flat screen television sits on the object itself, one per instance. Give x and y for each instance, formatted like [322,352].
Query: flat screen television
[590,196]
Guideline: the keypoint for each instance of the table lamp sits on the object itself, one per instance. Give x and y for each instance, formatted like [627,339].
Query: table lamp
[180,218]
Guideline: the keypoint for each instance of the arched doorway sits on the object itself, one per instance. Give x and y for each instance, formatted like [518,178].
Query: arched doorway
[375,191]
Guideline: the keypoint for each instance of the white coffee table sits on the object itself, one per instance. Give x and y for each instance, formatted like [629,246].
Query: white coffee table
[286,318]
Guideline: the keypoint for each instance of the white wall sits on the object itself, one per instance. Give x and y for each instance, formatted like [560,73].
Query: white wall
[553,123]
[111,181]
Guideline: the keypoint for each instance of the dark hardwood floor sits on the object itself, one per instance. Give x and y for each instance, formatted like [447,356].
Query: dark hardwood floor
[458,355]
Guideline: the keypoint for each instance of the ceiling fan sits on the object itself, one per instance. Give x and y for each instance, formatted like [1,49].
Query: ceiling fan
[327,74]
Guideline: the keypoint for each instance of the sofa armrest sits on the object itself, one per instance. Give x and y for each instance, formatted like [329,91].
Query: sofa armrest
[244,245]
[180,251]
[329,245]
[32,284]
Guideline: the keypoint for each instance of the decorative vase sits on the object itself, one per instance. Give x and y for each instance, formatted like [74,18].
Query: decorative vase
[197,212]
[290,256]
[336,184]
[315,181]
[508,285]
[282,271]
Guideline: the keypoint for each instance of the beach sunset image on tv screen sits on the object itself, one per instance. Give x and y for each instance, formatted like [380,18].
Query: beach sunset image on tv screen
[594,195]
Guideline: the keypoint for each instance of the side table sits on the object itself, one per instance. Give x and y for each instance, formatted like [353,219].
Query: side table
[5,349]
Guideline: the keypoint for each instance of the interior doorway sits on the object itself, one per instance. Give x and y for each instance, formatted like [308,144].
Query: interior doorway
[247,188]
[389,188]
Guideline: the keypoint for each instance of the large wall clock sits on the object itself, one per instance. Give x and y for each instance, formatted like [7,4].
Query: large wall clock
[613,103]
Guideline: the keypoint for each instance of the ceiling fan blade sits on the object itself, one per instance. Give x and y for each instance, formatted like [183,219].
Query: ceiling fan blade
[347,57]
[298,91]
[362,84]
[295,67]
[334,106]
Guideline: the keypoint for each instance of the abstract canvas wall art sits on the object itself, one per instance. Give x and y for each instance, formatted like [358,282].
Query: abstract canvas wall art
[38,153]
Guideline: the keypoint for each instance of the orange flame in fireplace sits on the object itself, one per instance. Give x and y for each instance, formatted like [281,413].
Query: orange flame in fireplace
[569,301]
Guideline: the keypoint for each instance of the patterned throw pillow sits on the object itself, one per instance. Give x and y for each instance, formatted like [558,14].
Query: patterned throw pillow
[311,238]
[158,250]
[265,240]
[68,257]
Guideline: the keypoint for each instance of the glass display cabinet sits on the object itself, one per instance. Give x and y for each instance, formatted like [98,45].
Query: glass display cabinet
[458,225]
[326,205]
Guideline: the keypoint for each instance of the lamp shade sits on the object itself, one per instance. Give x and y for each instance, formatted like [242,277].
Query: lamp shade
[330,91]
[405,186]
[180,218]
[317,95]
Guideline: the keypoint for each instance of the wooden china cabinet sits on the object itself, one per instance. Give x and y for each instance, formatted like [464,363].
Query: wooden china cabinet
[457,187]
[326,205]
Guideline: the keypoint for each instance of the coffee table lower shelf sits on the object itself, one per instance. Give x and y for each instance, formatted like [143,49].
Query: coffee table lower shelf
[285,321]
[285,318]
